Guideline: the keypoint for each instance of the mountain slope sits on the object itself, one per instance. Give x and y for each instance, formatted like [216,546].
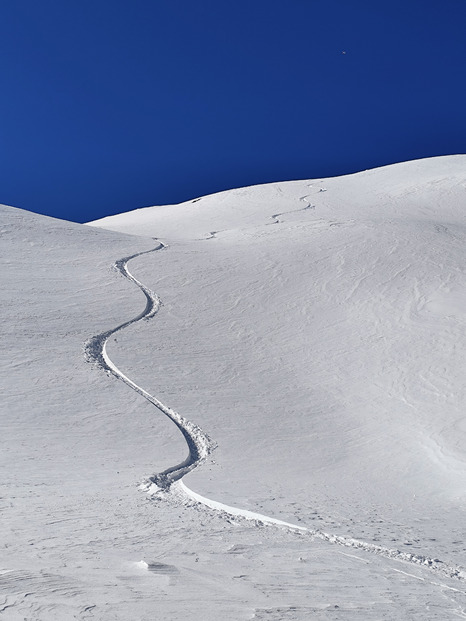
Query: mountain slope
[321,329]
[314,330]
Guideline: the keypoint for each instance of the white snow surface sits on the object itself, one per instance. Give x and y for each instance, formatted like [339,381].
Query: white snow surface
[307,337]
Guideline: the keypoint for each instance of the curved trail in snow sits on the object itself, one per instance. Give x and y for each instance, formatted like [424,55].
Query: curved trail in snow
[200,445]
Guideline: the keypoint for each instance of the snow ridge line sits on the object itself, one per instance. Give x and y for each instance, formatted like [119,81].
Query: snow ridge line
[199,443]
[200,446]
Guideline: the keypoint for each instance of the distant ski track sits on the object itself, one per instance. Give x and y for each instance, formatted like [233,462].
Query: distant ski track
[276,216]
[200,445]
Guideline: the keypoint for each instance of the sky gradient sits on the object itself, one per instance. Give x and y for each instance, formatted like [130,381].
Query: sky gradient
[108,106]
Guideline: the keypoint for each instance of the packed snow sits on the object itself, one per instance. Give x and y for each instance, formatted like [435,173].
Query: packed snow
[246,406]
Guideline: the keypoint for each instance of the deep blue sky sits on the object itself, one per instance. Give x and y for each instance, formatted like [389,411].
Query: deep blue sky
[110,105]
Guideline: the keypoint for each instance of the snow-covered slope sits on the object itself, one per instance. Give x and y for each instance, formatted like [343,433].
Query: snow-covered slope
[321,323]
[314,330]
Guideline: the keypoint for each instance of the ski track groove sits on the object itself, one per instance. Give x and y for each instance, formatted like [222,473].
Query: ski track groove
[200,444]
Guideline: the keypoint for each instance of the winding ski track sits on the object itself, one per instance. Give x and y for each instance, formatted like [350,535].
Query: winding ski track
[200,445]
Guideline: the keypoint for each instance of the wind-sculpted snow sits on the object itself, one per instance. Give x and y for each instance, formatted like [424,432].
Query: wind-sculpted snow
[200,446]
[317,335]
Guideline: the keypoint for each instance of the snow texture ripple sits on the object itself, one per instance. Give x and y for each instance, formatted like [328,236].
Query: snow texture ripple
[200,445]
